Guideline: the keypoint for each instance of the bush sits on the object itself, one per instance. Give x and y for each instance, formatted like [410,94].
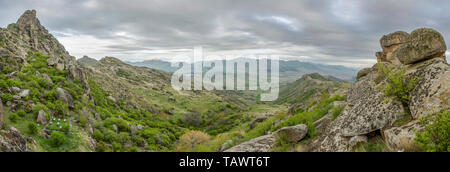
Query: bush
[191,139]
[21,113]
[60,108]
[13,117]
[398,85]
[98,135]
[57,139]
[436,136]
[7,97]
[193,119]
[32,128]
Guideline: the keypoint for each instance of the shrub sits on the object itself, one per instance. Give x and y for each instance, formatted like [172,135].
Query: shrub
[436,136]
[32,128]
[13,117]
[83,121]
[98,135]
[398,85]
[193,119]
[60,107]
[191,139]
[21,113]
[57,139]
[7,97]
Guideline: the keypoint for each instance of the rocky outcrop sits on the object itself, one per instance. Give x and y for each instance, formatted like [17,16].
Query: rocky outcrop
[260,144]
[369,111]
[389,44]
[294,133]
[433,89]
[422,44]
[12,141]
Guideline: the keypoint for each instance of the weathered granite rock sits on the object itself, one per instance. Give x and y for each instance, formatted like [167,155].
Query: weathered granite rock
[363,72]
[321,124]
[395,38]
[24,93]
[294,133]
[391,43]
[370,110]
[423,44]
[65,96]
[12,141]
[257,121]
[355,140]
[402,138]
[433,88]
[41,119]
[260,144]
[15,89]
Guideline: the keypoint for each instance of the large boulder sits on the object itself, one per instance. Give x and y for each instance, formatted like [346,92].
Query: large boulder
[24,93]
[294,133]
[423,44]
[257,121]
[260,144]
[41,119]
[395,38]
[402,138]
[391,43]
[65,96]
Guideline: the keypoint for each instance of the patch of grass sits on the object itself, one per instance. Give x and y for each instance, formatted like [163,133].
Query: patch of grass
[374,145]
[336,111]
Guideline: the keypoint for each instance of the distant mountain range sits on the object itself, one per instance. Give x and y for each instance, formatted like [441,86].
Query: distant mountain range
[290,70]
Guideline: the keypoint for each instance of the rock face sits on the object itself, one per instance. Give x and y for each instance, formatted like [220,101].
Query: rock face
[370,110]
[260,144]
[12,141]
[293,134]
[433,89]
[422,44]
[64,95]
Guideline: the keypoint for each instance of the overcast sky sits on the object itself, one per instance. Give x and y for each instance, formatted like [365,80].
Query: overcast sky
[342,32]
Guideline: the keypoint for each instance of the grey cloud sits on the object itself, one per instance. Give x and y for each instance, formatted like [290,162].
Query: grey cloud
[338,29]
